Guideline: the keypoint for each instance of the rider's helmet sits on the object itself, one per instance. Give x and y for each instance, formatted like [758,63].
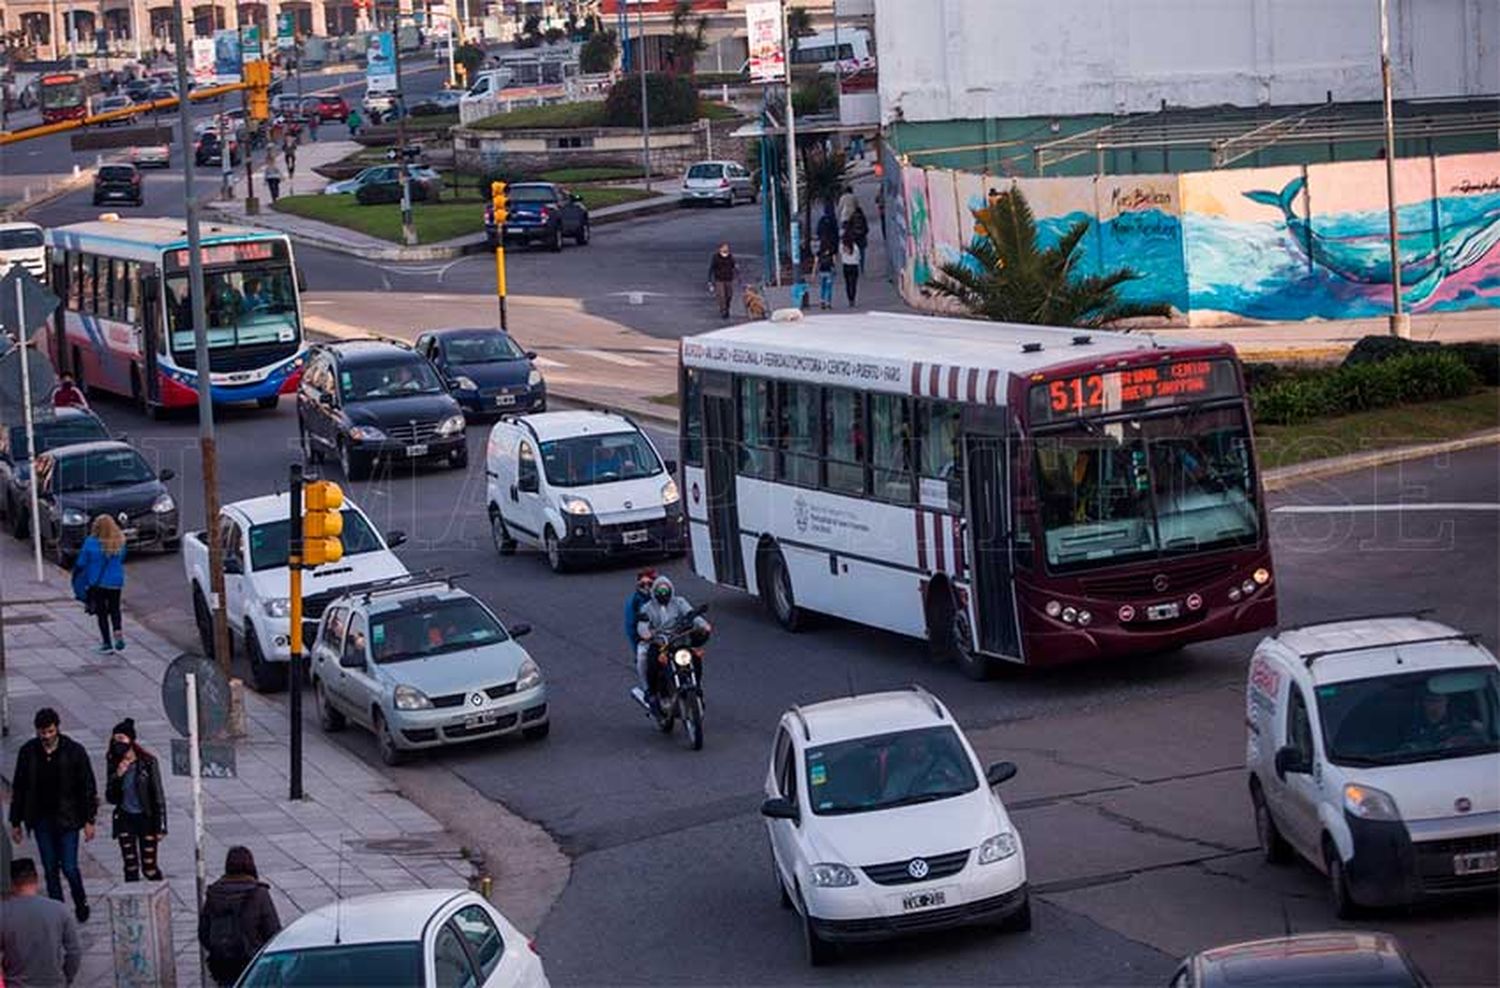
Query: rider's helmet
[661,590]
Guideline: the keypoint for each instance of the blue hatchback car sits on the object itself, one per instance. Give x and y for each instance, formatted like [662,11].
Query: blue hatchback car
[485,370]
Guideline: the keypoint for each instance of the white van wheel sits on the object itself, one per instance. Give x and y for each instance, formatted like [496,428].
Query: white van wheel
[1273,846]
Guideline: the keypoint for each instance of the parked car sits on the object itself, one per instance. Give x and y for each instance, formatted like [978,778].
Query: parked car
[1307,960]
[111,103]
[79,481]
[580,485]
[151,155]
[722,182]
[138,89]
[486,370]
[423,664]
[253,535]
[1373,751]
[882,822]
[382,102]
[382,174]
[430,938]
[160,92]
[23,243]
[66,427]
[327,106]
[385,186]
[209,150]
[119,183]
[540,212]
[363,400]
[434,104]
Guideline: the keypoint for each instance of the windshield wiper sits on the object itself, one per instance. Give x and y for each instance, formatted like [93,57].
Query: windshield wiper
[926,797]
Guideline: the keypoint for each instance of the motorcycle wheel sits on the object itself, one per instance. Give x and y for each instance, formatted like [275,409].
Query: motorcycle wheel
[666,717]
[692,721]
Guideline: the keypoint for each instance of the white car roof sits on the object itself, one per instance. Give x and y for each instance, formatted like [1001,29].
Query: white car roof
[380,918]
[562,425]
[1364,648]
[270,507]
[868,714]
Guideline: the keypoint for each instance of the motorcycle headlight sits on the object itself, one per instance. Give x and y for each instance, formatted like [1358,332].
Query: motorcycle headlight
[411,698]
[669,492]
[576,505]
[1369,803]
[529,677]
[277,607]
[534,378]
[366,434]
[997,848]
[828,875]
[450,425]
[463,383]
[682,657]
[163,504]
[72,516]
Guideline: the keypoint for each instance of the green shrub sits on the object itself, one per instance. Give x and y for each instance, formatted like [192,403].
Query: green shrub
[672,100]
[1415,374]
[1483,359]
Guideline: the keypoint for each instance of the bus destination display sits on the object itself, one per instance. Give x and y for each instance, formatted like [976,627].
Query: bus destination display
[232,253]
[1132,388]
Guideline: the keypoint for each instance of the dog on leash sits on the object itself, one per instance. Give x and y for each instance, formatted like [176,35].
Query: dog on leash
[755,303]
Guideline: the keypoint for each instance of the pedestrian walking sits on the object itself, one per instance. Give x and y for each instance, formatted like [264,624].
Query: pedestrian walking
[237,918]
[272,175]
[99,578]
[847,202]
[289,154]
[825,275]
[827,232]
[858,227]
[312,125]
[39,942]
[849,256]
[53,794]
[354,122]
[721,274]
[132,785]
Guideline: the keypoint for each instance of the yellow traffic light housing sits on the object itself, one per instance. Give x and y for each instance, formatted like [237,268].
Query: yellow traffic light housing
[322,523]
[258,89]
[498,201]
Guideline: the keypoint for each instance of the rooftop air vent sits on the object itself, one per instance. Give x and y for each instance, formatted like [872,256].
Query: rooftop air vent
[1082,339]
[1031,348]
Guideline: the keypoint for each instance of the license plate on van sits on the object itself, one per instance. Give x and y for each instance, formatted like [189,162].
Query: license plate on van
[635,537]
[1477,863]
[923,900]
[1163,612]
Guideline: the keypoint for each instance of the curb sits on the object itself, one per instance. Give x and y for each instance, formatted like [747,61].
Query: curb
[1283,477]
[70,184]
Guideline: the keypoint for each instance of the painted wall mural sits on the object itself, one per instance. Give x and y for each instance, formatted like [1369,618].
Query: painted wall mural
[1274,244]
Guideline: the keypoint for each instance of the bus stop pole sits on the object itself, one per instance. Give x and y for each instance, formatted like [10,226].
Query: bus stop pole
[200,362]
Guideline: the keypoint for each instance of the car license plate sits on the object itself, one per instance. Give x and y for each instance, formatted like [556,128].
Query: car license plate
[635,537]
[420,449]
[505,399]
[478,720]
[923,900]
[1162,612]
[1476,864]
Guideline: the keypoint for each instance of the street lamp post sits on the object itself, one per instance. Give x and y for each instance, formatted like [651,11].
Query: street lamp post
[794,214]
[408,225]
[640,23]
[1400,321]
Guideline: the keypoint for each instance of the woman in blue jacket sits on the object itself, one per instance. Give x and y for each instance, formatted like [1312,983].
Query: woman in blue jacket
[99,577]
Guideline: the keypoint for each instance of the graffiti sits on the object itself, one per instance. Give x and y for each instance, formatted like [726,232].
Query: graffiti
[1468,187]
[1122,200]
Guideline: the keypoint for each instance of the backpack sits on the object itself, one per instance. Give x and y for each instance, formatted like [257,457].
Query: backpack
[228,944]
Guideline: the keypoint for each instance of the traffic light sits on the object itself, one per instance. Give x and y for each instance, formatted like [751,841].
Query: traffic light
[498,201]
[322,523]
[258,86]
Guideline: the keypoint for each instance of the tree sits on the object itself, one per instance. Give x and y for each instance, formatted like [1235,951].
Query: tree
[799,25]
[599,52]
[673,100]
[1007,276]
[471,57]
[824,176]
[687,39]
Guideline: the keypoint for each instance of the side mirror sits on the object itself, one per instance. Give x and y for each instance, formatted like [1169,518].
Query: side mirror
[1000,772]
[394,538]
[520,629]
[530,354]
[233,566]
[671,466]
[780,808]
[166,474]
[1289,759]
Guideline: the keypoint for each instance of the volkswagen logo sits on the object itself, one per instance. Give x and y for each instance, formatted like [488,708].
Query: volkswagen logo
[476,699]
[1462,804]
[1159,583]
[917,869]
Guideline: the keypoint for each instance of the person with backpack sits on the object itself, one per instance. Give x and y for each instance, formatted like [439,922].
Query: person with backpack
[237,919]
[858,227]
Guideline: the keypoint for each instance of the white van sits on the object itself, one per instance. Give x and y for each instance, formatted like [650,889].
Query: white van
[847,50]
[1374,752]
[580,485]
[23,244]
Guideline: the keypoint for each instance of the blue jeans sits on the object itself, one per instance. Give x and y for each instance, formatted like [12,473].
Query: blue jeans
[58,850]
[825,287]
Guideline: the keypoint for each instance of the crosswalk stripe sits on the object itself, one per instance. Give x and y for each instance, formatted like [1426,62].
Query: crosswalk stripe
[548,362]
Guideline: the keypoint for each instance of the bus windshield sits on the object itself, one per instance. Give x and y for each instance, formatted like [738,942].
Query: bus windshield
[246,306]
[1126,489]
[61,95]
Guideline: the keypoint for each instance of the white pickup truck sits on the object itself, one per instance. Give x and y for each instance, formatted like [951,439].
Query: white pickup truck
[254,535]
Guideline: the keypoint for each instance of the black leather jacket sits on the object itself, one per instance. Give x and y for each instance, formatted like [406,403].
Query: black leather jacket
[78,793]
[148,790]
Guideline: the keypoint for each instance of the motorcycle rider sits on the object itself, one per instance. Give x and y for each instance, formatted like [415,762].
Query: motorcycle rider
[664,609]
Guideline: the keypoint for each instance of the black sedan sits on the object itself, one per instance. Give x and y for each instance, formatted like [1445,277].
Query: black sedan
[118,183]
[485,370]
[539,212]
[67,426]
[78,483]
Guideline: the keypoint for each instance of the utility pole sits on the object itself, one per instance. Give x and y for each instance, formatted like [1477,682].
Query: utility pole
[799,290]
[640,24]
[1400,321]
[408,226]
[208,449]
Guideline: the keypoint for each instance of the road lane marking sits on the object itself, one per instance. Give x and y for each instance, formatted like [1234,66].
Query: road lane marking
[610,358]
[1336,509]
[549,362]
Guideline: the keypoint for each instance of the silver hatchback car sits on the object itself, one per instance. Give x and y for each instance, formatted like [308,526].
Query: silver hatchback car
[422,664]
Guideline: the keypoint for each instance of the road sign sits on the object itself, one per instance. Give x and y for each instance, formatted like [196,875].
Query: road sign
[11,390]
[37,302]
[215,759]
[213,694]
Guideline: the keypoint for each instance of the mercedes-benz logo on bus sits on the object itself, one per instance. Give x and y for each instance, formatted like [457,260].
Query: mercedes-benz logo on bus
[1159,583]
[917,869]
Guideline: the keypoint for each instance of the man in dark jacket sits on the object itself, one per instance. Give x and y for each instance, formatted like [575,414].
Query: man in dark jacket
[721,274]
[237,919]
[54,796]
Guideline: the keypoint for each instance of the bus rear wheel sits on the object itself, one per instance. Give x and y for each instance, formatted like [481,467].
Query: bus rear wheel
[776,591]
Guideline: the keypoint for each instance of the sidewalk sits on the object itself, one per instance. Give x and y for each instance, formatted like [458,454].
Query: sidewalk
[353,834]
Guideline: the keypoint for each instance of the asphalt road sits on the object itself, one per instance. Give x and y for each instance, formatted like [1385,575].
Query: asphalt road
[1131,792]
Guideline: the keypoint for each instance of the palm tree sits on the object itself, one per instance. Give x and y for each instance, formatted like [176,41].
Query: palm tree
[686,42]
[799,25]
[824,176]
[1006,276]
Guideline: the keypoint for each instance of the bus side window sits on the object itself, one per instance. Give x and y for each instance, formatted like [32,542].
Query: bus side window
[890,428]
[757,428]
[74,264]
[692,411]
[119,288]
[939,455]
[86,302]
[798,434]
[844,425]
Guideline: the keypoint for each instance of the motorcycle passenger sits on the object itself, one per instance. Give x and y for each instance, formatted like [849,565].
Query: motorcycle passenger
[664,609]
[633,604]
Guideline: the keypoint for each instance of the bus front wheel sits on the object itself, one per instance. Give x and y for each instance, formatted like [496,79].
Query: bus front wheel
[951,634]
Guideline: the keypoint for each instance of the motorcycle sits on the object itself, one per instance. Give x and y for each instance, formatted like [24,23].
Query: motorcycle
[679,680]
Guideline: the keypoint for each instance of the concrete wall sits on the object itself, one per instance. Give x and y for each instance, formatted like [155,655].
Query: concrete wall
[980,59]
[1287,243]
